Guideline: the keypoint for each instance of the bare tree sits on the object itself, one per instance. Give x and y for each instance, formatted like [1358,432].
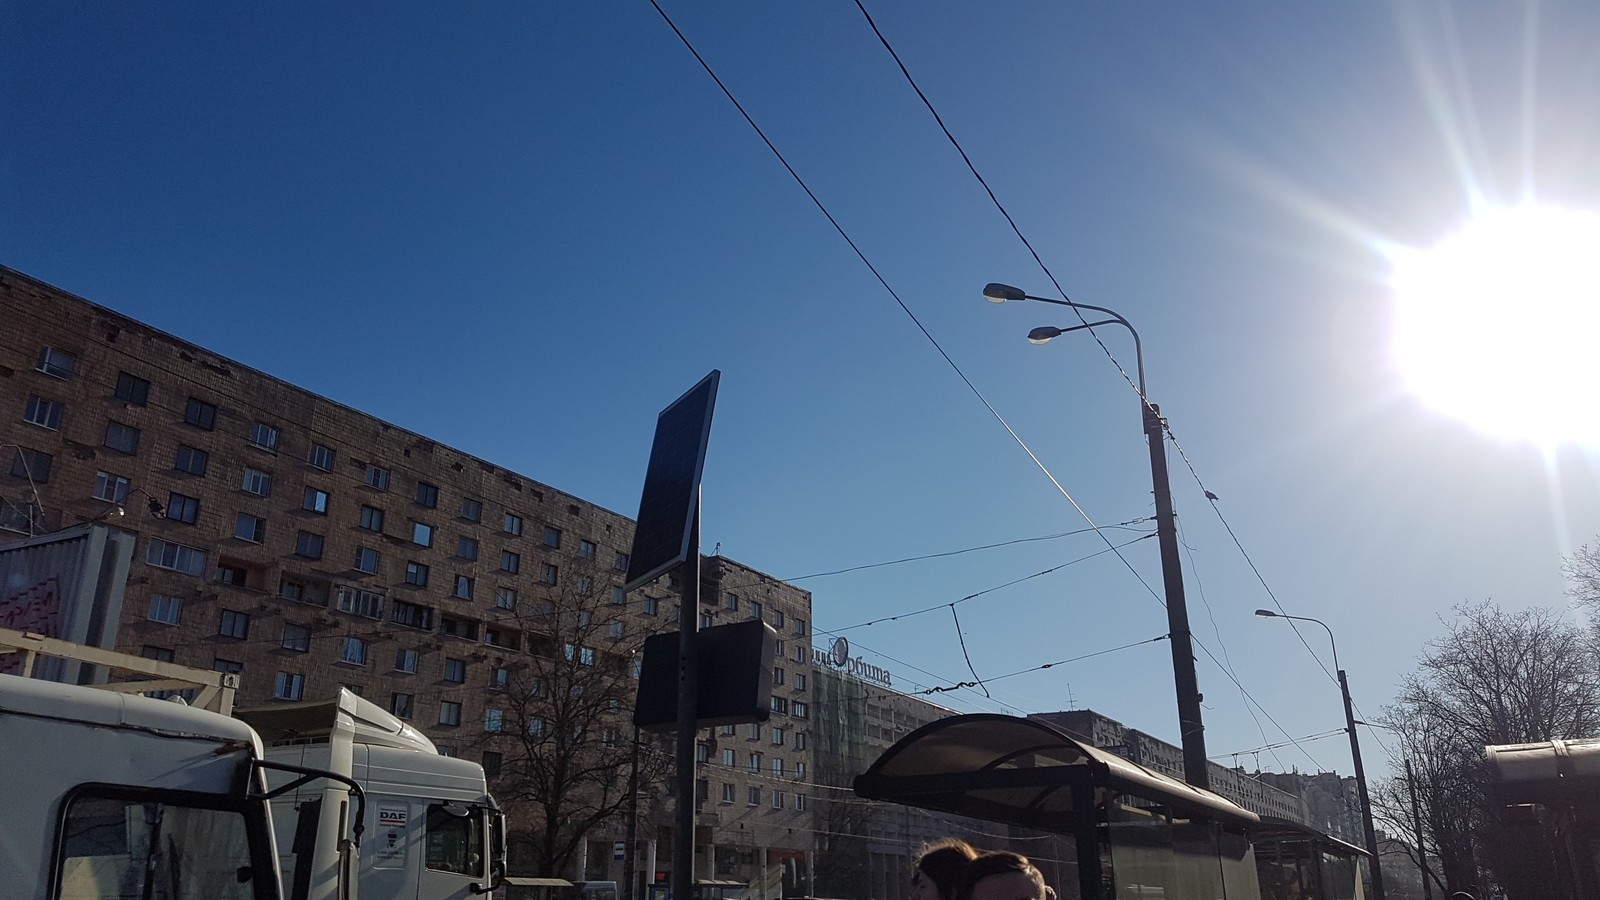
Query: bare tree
[1582,569]
[565,727]
[1494,677]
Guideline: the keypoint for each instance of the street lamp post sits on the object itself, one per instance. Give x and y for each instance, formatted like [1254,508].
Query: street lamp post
[1191,728]
[1355,751]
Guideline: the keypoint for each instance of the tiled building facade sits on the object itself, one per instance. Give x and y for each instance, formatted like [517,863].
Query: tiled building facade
[305,545]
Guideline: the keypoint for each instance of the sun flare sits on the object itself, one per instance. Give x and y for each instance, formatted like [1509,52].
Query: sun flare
[1499,324]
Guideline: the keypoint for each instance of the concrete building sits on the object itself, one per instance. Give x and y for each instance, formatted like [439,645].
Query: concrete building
[305,546]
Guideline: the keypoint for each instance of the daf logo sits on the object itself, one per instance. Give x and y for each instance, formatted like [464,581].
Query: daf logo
[841,652]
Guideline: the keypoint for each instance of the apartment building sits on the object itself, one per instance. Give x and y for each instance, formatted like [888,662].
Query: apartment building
[305,546]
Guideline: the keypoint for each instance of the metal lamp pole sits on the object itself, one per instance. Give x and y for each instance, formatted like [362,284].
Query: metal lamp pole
[1355,751]
[1191,728]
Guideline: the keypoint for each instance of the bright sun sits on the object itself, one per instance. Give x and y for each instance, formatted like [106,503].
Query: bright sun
[1499,324]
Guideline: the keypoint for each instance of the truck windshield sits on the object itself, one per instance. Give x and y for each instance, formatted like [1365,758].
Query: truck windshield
[149,848]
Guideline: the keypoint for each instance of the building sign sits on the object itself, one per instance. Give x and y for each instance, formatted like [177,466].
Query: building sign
[838,657]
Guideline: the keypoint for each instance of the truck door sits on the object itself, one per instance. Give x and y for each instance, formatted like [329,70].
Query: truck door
[455,852]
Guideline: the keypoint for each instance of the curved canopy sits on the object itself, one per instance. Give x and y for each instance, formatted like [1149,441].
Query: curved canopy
[1288,836]
[1023,772]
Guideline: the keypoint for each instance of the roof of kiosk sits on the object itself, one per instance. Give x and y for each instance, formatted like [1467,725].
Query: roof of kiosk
[1022,771]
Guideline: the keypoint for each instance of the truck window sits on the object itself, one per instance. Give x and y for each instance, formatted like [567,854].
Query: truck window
[113,847]
[455,839]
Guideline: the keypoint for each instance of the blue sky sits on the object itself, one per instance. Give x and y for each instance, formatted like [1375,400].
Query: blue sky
[522,229]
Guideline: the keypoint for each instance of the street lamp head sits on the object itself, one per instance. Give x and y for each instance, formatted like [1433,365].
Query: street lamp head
[1044,334]
[1266,614]
[1000,293]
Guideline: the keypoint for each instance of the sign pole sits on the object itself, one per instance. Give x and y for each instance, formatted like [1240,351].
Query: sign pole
[688,695]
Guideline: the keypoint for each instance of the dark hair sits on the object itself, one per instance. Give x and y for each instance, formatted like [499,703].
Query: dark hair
[944,862]
[1001,862]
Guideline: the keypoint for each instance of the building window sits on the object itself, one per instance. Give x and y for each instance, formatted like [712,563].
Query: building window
[777,799]
[289,686]
[181,508]
[358,602]
[777,676]
[500,677]
[491,762]
[264,436]
[471,510]
[228,573]
[377,477]
[122,438]
[321,457]
[777,738]
[32,465]
[586,550]
[159,654]
[510,562]
[427,494]
[618,596]
[727,791]
[416,574]
[353,651]
[799,740]
[191,460]
[755,796]
[42,412]
[616,631]
[132,389]
[177,557]
[164,609]
[296,637]
[800,626]
[372,518]
[466,548]
[200,414]
[777,767]
[780,705]
[256,482]
[455,670]
[248,528]
[493,719]
[463,589]
[512,524]
[799,771]
[55,362]
[652,606]
[110,488]
[801,711]
[755,610]
[730,602]
[777,619]
[422,534]
[800,653]
[308,545]
[449,713]
[728,758]
[405,660]
[585,585]
[620,563]
[702,752]
[401,705]
[800,802]
[799,681]
[233,624]
[549,574]
[552,538]
[754,732]
[411,615]
[505,598]
[366,560]
[316,500]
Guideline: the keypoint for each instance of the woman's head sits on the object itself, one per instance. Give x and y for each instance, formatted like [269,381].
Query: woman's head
[939,868]
[1003,876]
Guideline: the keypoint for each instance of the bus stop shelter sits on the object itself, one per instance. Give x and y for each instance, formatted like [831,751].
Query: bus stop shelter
[1137,833]
[1297,862]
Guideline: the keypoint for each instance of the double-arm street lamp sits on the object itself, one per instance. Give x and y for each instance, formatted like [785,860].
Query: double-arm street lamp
[1355,752]
[1191,729]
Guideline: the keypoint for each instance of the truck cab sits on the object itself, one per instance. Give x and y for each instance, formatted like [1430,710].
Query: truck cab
[433,832]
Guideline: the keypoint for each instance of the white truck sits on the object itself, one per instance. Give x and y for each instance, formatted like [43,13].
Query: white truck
[433,830]
[115,795]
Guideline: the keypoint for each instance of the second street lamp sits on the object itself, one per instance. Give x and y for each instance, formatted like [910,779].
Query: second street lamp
[1355,751]
[1190,727]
